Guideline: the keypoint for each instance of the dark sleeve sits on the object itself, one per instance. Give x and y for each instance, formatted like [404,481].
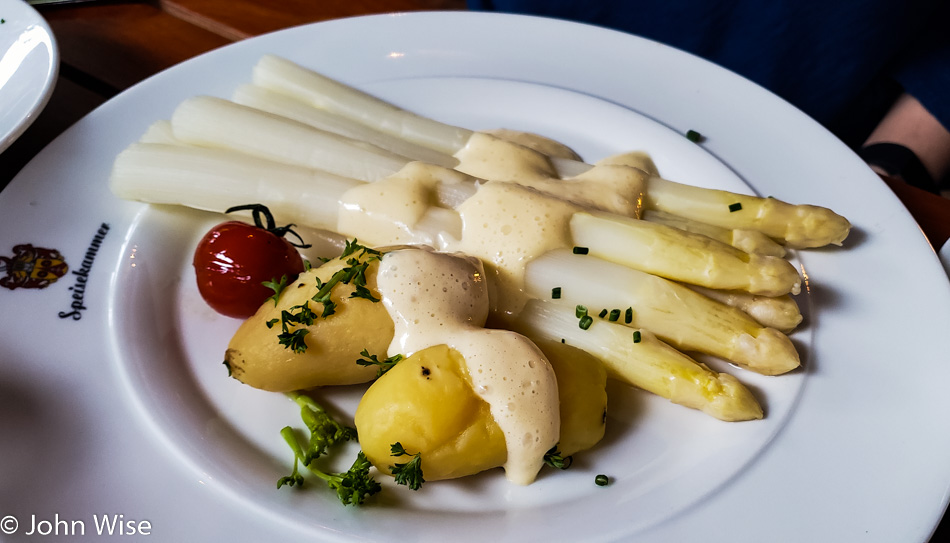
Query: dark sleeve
[841,65]
[924,68]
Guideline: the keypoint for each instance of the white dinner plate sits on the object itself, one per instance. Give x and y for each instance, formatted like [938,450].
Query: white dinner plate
[29,62]
[114,401]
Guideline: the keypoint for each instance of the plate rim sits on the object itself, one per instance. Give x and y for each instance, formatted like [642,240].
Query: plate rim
[42,98]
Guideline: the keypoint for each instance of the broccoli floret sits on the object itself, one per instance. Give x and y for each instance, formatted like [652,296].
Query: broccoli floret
[352,486]
[325,431]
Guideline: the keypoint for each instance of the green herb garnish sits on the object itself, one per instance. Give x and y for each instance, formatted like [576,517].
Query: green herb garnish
[585,322]
[363,292]
[554,459]
[382,365]
[353,486]
[409,473]
[278,286]
[601,480]
[556,293]
[581,250]
[735,207]
[354,273]
[294,340]
[693,136]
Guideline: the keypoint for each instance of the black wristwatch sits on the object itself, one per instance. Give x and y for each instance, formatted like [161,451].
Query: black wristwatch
[900,162]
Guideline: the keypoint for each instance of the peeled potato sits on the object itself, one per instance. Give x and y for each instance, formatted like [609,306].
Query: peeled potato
[333,345]
[427,404]
[582,389]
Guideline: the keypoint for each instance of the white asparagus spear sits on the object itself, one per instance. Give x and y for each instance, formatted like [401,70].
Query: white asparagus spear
[750,241]
[779,312]
[675,254]
[216,179]
[638,358]
[542,144]
[800,226]
[290,108]
[666,251]
[681,317]
[213,122]
[160,132]
[281,75]
[635,159]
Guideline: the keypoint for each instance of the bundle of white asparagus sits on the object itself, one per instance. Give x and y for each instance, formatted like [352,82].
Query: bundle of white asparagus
[691,269]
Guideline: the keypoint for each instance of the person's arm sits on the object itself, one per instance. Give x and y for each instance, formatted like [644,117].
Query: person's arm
[911,126]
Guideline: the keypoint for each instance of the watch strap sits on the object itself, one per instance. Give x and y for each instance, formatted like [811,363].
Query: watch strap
[900,162]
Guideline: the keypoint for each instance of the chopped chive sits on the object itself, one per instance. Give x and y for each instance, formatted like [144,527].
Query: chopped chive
[585,322]
[601,480]
[628,315]
[562,340]
[580,311]
[693,136]
[636,336]
[603,313]
[581,250]
[614,315]
[735,207]
[556,293]
[554,459]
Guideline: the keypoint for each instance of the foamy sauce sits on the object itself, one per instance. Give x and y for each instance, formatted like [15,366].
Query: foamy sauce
[505,224]
[436,298]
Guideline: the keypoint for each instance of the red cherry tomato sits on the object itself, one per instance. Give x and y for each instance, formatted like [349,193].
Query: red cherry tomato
[234,259]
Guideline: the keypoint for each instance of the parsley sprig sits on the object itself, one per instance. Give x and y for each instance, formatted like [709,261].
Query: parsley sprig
[278,286]
[357,258]
[408,473]
[382,365]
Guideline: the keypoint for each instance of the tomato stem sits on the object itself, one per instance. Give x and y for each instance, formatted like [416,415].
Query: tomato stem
[264,219]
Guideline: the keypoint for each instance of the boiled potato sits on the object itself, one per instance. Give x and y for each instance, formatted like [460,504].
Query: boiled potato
[333,344]
[427,404]
[582,390]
